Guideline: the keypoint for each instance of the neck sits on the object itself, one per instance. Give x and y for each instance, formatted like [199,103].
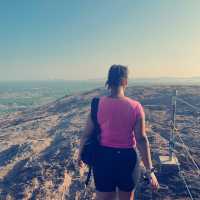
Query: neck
[117,92]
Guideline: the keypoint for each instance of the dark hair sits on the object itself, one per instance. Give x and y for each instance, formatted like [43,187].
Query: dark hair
[115,75]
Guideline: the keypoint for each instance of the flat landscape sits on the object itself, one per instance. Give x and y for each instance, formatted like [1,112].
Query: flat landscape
[38,146]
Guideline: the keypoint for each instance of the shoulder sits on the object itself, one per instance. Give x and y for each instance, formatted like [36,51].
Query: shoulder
[133,102]
[137,106]
[97,100]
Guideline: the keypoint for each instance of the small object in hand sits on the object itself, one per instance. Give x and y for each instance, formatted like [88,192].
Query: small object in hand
[150,178]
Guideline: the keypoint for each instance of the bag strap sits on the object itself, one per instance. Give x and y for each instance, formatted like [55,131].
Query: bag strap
[88,176]
[94,110]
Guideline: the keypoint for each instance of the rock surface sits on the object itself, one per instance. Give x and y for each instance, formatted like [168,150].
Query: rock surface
[38,147]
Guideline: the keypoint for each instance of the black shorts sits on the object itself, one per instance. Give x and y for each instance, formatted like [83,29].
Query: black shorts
[113,168]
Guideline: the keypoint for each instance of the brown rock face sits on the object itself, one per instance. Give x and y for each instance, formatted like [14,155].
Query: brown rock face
[38,147]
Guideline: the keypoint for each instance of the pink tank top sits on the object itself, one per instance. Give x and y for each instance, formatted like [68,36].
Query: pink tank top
[116,117]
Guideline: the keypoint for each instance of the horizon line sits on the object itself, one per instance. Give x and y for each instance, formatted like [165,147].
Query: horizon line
[102,79]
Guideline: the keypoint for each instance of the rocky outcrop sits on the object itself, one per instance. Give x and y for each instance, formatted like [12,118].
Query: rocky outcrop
[38,147]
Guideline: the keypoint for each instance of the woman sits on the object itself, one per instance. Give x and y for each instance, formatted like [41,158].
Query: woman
[122,123]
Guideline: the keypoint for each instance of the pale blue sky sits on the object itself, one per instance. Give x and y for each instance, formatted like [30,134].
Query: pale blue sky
[71,39]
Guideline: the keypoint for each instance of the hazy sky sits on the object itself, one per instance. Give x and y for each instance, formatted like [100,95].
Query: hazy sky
[80,39]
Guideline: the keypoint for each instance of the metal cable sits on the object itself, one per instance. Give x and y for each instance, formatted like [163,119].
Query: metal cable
[196,109]
[189,155]
[184,181]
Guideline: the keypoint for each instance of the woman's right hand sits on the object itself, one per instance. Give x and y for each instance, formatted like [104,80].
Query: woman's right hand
[154,182]
[79,161]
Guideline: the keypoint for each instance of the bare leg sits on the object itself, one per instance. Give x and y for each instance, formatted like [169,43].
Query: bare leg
[125,195]
[105,195]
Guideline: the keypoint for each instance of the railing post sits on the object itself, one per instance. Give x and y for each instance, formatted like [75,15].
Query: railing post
[173,127]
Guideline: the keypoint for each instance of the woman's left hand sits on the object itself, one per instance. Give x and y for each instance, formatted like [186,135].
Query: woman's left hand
[154,182]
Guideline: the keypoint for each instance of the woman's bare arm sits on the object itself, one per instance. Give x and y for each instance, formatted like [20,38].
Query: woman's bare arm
[143,146]
[142,142]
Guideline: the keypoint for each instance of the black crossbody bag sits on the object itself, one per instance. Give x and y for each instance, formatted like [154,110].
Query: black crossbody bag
[92,143]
